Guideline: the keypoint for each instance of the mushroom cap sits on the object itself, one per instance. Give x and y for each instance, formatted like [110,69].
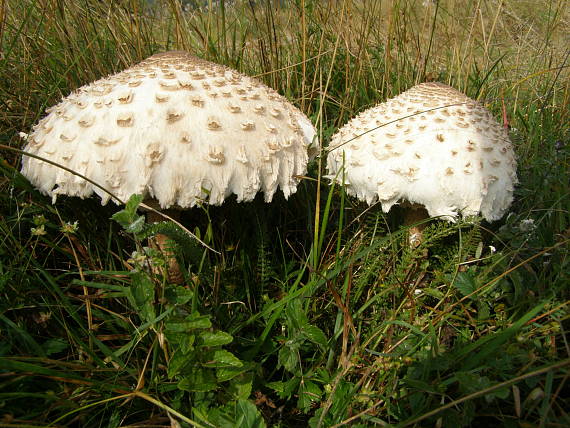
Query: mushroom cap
[432,146]
[175,128]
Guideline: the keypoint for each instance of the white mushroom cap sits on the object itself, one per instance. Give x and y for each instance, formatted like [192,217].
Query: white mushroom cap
[174,128]
[432,146]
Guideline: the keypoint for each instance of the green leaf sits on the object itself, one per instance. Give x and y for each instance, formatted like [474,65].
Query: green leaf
[309,393]
[288,357]
[178,295]
[136,226]
[247,415]
[222,358]
[240,413]
[240,386]
[471,382]
[483,311]
[295,314]
[53,346]
[184,340]
[284,389]
[315,335]
[133,203]
[341,400]
[465,283]
[177,362]
[217,338]
[128,217]
[191,322]
[226,373]
[475,354]
[433,292]
[198,380]
[142,293]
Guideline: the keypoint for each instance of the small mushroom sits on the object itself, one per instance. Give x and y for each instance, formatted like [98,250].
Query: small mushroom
[431,147]
[167,139]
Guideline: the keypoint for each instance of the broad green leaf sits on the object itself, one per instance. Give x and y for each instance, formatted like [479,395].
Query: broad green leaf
[288,357]
[185,341]
[178,295]
[465,283]
[309,393]
[222,358]
[133,203]
[296,316]
[315,335]
[136,226]
[142,292]
[198,380]
[284,389]
[191,322]
[177,362]
[226,373]
[483,311]
[240,413]
[128,217]
[217,338]
[247,415]
[240,386]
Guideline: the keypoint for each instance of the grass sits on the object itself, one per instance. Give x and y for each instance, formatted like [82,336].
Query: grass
[313,311]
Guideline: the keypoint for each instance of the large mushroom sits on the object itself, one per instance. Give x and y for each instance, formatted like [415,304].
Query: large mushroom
[175,128]
[431,147]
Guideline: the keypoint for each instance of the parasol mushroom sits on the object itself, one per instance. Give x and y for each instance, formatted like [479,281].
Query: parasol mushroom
[177,129]
[431,147]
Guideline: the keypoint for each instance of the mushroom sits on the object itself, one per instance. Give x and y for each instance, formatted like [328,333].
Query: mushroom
[431,147]
[175,128]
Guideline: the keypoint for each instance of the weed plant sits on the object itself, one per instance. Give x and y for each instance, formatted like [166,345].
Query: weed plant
[307,312]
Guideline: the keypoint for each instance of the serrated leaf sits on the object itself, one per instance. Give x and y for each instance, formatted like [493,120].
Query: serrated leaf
[284,389]
[222,358]
[123,218]
[295,314]
[217,338]
[288,357]
[240,413]
[133,203]
[314,334]
[433,292]
[128,217]
[309,393]
[465,283]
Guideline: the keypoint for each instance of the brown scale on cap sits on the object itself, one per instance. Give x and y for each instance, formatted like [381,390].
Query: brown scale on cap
[162,115]
[441,154]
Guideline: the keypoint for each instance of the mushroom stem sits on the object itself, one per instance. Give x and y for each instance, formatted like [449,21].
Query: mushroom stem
[414,214]
[161,243]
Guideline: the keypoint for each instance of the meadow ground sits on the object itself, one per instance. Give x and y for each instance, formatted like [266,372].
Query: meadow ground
[312,311]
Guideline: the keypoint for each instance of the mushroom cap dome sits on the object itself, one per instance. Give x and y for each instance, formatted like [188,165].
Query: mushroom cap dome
[175,128]
[432,146]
